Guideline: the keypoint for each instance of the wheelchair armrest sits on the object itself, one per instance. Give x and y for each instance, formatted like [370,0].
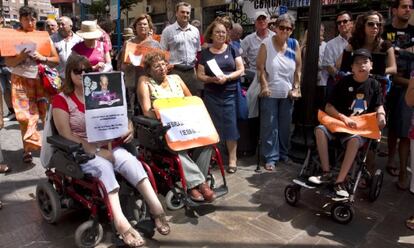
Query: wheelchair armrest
[63,143]
[146,121]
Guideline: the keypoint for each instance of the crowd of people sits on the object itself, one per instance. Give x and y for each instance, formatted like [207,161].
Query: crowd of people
[269,55]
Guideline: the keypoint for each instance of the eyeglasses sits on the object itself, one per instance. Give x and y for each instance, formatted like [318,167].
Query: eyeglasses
[342,22]
[80,71]
[372,24]
[285,28]
[219,32]
[159,66]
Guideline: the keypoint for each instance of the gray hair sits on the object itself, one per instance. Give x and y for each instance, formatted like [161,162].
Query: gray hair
[286,18]
[66,20]
[238,28]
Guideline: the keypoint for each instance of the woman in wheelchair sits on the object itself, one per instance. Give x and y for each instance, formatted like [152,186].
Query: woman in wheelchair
[339,106]
[157,84]
[68,115]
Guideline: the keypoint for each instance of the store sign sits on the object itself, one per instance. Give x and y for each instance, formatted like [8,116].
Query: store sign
[270,7]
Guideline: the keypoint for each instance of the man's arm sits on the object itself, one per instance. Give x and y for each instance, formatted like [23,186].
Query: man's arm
[331,111]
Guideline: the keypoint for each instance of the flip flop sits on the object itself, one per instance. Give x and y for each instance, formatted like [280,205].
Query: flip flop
[392,171]
[232,169]
[409,223]
[4,168]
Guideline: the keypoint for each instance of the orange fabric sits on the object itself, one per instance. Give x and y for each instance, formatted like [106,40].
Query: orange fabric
[141,50]
[366,125]
[30,103]
[9,38]
[156,37]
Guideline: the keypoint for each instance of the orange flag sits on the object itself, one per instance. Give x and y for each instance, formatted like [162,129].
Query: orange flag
[366,125]
[10,38]
[140,50]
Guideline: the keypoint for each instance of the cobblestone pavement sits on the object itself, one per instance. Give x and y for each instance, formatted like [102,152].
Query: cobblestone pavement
[253,214]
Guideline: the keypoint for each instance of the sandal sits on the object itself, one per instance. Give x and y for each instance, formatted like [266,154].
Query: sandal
[132,238]
[27,157]
[164,228]
[269,167]
[409,223]
[232,169]
[393,171]
[4,168]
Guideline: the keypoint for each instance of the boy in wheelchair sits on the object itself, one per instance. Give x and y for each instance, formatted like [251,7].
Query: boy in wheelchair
[68,115]
[359,88]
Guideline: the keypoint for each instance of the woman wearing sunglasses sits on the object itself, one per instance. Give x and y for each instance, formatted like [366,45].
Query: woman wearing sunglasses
[69,118]
[367,34]
[278,67]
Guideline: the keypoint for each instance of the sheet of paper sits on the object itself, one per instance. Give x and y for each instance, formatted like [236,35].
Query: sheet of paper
[28,46]
[135,59]
[215,68]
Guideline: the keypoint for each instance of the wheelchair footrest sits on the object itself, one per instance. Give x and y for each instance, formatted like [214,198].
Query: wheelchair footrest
[221,191]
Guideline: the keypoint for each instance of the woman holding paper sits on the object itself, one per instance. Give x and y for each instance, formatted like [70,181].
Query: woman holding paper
[69,119]
[157,84]
[132,69]
[278,67]
[95,50]
[220,68]
[29,98]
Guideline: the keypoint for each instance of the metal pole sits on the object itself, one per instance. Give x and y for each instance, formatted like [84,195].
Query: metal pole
[118,27]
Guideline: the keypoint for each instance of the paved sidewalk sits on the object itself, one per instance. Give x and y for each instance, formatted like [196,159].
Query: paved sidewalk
[253,214]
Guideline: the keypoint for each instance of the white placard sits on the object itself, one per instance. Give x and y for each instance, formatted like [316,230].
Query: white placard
[30,46]
[135,59]
[187,123]
[215,68]
[105,106]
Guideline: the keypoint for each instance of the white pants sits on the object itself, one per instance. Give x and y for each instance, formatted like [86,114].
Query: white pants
[125,164]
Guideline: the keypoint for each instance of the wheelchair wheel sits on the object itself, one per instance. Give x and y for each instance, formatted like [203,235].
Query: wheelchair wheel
[342,213]
[211,180]
[292,194]
[48,201]
[376,185]
[175,202]
[89,234]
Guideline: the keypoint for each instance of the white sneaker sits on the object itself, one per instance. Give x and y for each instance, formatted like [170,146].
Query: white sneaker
[325,178]
[340,190]
[10,117]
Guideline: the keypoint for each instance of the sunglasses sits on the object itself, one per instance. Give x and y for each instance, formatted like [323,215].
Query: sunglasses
[372,24]
[342,22]
[80,71]
[284,28]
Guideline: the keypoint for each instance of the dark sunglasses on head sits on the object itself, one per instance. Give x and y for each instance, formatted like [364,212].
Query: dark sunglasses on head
[342,22]
[372,24]
[80,71]
[284,28]
[272,24]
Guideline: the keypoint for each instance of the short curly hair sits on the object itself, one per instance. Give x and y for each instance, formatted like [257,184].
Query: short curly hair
[209,31]
[152,58]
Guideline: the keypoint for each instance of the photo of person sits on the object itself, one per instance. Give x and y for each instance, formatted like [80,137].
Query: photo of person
[103,90]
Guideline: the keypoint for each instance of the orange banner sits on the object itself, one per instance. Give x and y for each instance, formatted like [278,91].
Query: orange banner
[141,50]
[189,121]
[367,125]
[10,38]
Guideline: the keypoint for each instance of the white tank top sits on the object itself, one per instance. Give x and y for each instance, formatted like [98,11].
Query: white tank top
[280,68]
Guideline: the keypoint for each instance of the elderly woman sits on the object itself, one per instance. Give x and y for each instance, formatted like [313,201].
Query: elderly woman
[279,69]
[69,118]
[157,84]
[141,27]
[28,95]
[220,91]
[95,50]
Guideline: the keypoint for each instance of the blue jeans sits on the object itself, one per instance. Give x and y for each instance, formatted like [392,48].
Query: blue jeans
[5,79]
[275,120]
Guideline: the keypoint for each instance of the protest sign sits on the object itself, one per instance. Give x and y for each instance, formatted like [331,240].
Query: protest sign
[13,41]
[105,106]
[190,124]
[366,125]
[138,52]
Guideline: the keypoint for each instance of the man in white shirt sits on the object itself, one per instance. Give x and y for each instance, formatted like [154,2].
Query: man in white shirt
[182,40]
[336,46]
[64,40]
[251,43]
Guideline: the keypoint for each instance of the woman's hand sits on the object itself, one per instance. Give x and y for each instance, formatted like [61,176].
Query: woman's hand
[23,55]
[98,66]
[221,79]
[130,134]
[264,92]
[37,56]
[106,154]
